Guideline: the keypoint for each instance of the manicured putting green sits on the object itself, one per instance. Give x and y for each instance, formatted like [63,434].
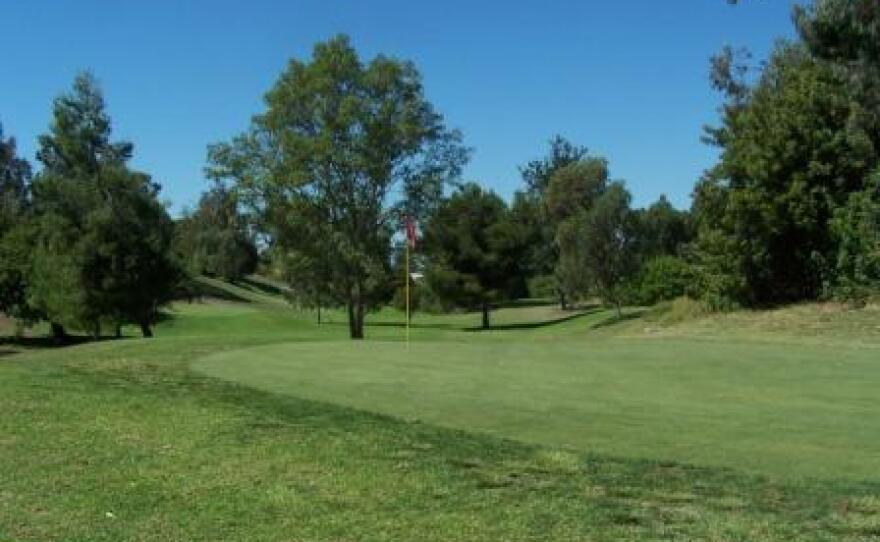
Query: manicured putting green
[775,409]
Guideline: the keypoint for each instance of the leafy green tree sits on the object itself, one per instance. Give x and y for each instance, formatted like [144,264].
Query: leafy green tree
[537,173]
[475,250]
[856,227]
[790,155]
[663,229]
[572,189]
[599,246]
[215,239]
[102,247]
[15,176]
[343,150]
[530,209]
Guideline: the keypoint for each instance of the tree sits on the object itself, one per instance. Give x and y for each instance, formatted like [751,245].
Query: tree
[15,176]
[215,240]
[663,230]
[102,242]
[342,152]
[530,208]
[537,173]
[856,227]
[475,251]
[572,189]
[599,242]
[791,154]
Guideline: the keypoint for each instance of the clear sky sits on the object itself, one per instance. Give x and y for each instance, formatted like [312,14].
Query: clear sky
[627,78]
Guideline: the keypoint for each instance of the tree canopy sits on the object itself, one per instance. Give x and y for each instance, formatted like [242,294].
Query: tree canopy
[343,150]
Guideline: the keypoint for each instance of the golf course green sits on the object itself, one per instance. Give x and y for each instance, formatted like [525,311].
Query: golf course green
[775,409]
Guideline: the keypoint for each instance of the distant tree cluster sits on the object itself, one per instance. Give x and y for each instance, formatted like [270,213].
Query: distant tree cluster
[84,243]
[215,239]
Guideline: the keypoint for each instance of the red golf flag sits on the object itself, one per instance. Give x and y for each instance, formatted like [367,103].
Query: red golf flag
[410,226]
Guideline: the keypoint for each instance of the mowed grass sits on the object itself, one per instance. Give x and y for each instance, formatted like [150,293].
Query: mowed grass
[123,440]
[770,409]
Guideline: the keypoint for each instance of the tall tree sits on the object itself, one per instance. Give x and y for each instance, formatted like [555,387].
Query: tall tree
[791,154]
[103,241]
[15,176]
[530,208]
[475,249]
[600,243]
[343,150]
[537,173]
[571,190]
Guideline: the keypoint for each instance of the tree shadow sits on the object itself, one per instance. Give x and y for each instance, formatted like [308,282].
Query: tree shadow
[46,341]
[535,325]
[197,290]
[615,319]
[261,286]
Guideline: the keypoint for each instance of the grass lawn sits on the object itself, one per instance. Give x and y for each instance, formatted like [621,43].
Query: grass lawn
[771,409]
[245,420]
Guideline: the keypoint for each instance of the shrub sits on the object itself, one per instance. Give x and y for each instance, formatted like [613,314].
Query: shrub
[661,278]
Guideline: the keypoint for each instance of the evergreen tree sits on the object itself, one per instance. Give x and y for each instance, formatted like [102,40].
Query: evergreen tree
[475,249]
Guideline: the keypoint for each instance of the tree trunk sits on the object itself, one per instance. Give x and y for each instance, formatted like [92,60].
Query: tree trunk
[563,302]
[619,311]
[319,315]
[145,330]
[96,331]
[485,316]
[58,333]
[358,327]
[118,331]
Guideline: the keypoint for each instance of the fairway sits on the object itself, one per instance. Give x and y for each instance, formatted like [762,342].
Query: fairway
[775,409]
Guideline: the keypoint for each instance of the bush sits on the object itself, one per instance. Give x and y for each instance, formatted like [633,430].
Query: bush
[543,287]
[660,279]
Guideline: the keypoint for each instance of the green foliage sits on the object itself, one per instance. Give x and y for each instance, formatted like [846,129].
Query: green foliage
[543,287]
[598,247]
[537,173]
[214,240]
[575,187]
[856,227]
[475,249]
[101,239]
[659,279]
[343,150]
[663,230]
[790,154]
[15,176]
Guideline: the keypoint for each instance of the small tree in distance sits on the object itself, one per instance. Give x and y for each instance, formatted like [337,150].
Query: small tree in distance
[475,251]
[599,246]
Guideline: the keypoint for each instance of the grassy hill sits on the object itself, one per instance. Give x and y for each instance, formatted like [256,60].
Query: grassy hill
[244,419]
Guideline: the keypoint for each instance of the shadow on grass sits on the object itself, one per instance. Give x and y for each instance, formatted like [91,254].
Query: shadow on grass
[586,310]
[49,342]
[535,325]
[261,286]
[197,289]
[615,319]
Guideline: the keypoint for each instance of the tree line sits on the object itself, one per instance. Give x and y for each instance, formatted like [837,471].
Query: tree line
[316,190]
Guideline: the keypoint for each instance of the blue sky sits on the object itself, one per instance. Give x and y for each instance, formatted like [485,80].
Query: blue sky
[627,78]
